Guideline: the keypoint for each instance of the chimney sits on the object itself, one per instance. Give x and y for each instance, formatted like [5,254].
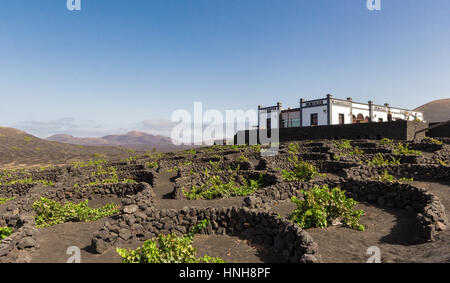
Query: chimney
[279,105]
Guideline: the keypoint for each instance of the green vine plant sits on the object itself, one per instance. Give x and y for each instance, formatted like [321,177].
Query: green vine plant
[386,177]
[4,200]
[5,232]
[294,148]
[169,249]
[91,163]
[152,165]
[242,158]
[322,206]
[401,149]
[302,171]
[30,180]
[386,141]
[432,140]
[379,161]
[343,144]
[214,187]
[105,175]
[50,213]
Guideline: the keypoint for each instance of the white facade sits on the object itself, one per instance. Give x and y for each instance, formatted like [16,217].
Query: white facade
[332,111]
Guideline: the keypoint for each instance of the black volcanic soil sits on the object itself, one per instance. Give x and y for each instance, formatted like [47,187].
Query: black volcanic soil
[389,229]
[392,230]
[233,249]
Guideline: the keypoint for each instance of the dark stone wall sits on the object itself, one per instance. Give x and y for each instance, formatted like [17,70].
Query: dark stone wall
[442,131]
[430,213]
[286,239]
[398,130]
[23,241]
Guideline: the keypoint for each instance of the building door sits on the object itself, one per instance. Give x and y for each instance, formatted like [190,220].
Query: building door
[389,117]
[314,119]
[341,119]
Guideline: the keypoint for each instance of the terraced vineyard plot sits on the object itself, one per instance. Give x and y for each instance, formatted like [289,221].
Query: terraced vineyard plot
[245,197]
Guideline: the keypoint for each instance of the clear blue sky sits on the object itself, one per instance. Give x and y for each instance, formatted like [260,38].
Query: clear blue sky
[118,63]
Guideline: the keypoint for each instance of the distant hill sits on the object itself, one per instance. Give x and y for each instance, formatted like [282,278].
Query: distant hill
[436,111]
[20,149]
[135,139]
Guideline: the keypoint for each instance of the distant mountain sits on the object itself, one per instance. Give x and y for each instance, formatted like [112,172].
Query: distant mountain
[19,149]
[79,141]
[133,139]
[436,111]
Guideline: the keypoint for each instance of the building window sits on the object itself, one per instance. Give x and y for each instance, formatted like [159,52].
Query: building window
[269,124]
[314,119]
[359,118]
[295,123]
[341,119]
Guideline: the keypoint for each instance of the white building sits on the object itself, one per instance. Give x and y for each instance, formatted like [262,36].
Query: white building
[332,111]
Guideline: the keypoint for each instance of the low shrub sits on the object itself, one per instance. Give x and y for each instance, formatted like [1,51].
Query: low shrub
[302,171]
[30,180]
[322,206]
[51,213]
[4,200]
[379,161]
[152,165]
[5,232]
[401,149]
[168,249]
[90,163]
[386,177]
[343,144]
[386,141]
[432,140]
[214,187]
